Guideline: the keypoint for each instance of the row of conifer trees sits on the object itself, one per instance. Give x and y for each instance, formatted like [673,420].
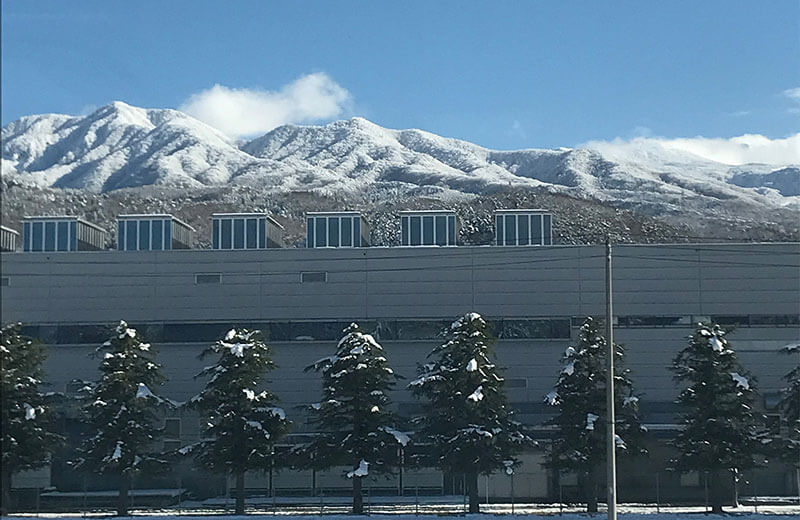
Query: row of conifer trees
[466,426]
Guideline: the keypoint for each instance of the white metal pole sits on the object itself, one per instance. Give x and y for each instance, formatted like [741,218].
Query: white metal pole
[611,461]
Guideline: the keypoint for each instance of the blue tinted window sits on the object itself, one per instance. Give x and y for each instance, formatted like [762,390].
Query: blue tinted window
[511,230]
[441,230]
[227,235]
[252,233]
[49,236]
[131,236]
[238,233]
[403,231]
[38,236]
[168,234]
[451,230]
[427,230]
[26,232]
[536,230]
[262,233]
[215,233]
[321,231]
[121,235]
[144,235]
[310,232]
[498,230]
[416,231]
[73,235]
[347,232]
[157,232]
[333,232]
[63,236]
[548,232]
[357,232]
[523,230]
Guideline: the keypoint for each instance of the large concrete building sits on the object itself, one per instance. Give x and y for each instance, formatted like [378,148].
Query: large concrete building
[536,298]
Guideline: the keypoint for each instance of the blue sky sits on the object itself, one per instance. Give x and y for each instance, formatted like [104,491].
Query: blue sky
[500,74]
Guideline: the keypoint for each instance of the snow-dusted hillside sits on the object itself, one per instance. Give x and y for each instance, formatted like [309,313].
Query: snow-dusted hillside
[120,146]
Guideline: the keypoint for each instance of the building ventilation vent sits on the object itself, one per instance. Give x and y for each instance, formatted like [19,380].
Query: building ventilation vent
[315,276]
[209,278]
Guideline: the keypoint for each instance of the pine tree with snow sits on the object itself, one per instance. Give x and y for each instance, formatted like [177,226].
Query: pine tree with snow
[27,439]
[242,422]
[720,431]
[789,443]
[579,446]
[467,421]
[358,426]
[123,410]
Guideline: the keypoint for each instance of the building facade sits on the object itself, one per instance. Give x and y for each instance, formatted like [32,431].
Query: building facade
[336,229]
[8,239]
[64,233]
[428,228]
[152,233]
[245,231]
[535,299]
[523,227]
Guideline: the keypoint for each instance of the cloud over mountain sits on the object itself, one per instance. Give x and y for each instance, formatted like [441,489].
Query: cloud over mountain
[734,151]
[248,112]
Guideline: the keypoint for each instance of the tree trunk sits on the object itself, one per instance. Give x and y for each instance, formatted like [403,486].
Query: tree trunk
[358,499]
[716,492]
[590,490]
[5,483]
[239,493]
[122,499]
[472,492]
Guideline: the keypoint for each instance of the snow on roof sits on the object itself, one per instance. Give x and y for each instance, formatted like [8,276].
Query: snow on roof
[245,215]
[520,211]
[64,217]
[428,212]
[590,420]
[9,230]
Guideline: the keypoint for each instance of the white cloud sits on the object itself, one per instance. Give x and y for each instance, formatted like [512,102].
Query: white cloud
[792,93]
[748,148]
[248,112]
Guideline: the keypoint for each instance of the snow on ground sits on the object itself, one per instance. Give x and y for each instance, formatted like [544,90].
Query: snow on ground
[409,507]
[490,513]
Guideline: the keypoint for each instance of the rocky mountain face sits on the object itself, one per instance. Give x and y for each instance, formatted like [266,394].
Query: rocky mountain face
[148,159]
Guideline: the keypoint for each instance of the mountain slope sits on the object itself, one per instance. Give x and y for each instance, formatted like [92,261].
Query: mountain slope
[120,146]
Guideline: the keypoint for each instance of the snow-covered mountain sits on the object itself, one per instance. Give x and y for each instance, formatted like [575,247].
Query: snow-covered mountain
[120,146]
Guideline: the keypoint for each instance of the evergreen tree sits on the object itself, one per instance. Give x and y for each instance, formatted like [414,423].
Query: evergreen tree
[580,397]
[721,432]
[790,409]
[243,423]
[123,410]
[358,426]
[26,437]
[467,420]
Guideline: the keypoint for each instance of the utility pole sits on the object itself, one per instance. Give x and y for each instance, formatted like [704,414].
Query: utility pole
[611,440]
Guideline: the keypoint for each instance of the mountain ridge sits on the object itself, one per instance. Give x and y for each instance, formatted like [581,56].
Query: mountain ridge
[121,146]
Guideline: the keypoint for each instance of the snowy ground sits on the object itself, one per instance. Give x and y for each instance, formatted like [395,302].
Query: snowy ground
[408,511]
